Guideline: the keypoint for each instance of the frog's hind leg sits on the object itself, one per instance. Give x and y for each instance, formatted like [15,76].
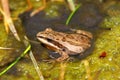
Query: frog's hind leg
[63,57]
[87,52]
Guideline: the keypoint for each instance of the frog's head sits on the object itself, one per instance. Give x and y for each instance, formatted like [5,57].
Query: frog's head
[47,38]
[47,35]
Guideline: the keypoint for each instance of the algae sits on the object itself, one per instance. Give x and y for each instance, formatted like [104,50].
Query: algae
[106,68]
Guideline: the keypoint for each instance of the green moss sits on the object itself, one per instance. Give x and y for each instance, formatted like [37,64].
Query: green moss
[107,41]
[111,22]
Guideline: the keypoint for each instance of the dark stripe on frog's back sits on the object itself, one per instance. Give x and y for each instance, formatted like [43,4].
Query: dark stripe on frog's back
[63,36]
[71,36]
[57,34]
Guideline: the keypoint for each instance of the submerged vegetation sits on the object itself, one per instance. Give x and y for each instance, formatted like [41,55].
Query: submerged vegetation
[104,60]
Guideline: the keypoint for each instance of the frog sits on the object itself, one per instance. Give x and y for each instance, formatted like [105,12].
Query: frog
[66,44]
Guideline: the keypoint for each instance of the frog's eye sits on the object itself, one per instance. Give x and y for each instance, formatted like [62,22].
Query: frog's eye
[63,49]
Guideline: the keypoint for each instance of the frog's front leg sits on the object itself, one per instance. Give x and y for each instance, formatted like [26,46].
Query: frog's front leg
[63,56]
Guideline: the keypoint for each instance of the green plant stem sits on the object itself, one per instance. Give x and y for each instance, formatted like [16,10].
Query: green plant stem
[72,13]
[11,65]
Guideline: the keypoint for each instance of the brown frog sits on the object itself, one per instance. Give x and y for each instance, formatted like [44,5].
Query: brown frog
[66,43]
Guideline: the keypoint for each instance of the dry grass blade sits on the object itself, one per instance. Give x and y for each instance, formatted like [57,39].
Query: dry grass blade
[29,5]
[39,9]
[71,4]
[62,71]
[4,48]
[36,66]
[7,19]
[34,61]
[86,63]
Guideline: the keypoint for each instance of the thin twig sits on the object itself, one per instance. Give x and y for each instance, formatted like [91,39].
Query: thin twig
[36,66]
[29,5]
[7,19]
[39,9]
[71,4]
[34,61]
[5,48]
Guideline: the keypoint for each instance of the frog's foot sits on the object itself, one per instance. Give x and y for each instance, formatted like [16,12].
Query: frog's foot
[63,57]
